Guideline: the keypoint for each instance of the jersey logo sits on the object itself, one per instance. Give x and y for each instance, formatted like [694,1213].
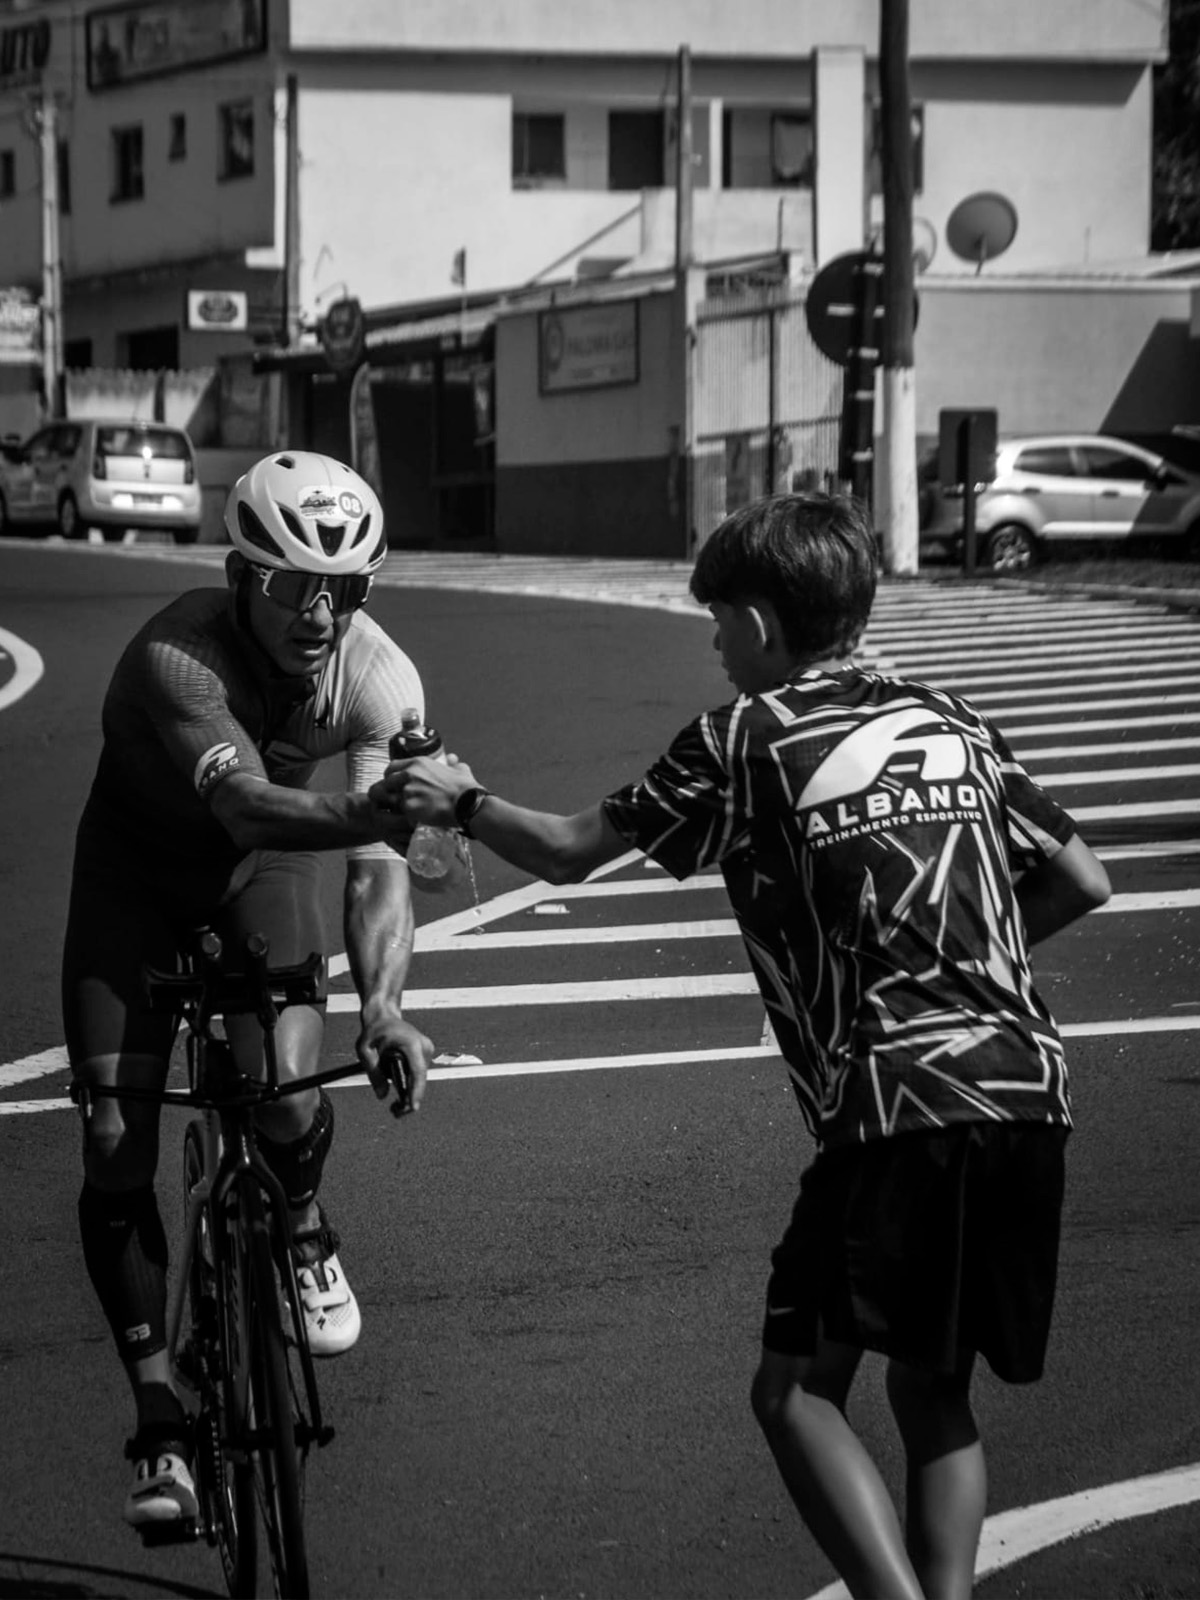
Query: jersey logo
[213,765]
[886,742]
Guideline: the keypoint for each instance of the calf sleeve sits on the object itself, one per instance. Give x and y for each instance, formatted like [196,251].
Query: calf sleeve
[125,1249]
[299,1163]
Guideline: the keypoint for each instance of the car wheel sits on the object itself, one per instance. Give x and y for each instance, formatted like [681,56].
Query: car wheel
[69,524]
[1010,548]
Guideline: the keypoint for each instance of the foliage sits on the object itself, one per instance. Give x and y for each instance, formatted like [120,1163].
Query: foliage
[1175,206]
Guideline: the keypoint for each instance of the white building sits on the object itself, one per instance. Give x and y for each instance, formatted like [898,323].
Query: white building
[537,137]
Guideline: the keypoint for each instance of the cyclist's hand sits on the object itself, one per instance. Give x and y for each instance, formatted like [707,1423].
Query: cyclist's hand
[398,1057]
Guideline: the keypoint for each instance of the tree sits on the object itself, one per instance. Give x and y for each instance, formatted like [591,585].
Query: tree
[1175,201]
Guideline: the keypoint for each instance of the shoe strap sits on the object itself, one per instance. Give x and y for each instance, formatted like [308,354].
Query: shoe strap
[154,1439]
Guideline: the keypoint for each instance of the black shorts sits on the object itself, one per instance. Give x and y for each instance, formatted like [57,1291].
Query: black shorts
[929,1247]
[130,908]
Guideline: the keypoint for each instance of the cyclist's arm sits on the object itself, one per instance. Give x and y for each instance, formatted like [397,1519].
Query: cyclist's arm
[1061,889]
[260,815]
[379,930]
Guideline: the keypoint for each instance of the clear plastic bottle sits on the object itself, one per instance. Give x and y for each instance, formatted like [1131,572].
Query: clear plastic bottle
[432,852]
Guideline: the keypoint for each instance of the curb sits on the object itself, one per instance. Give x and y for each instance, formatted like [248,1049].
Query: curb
[1174,599]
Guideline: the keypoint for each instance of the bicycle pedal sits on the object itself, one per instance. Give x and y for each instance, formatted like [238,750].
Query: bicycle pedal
[181,1530]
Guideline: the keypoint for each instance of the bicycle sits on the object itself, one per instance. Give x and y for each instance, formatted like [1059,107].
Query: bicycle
[258,1410]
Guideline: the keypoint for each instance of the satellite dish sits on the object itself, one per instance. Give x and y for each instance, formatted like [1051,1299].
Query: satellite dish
[981,227]
[924,239]
[924,243]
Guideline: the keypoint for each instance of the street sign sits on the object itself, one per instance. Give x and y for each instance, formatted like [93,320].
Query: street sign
[833,303]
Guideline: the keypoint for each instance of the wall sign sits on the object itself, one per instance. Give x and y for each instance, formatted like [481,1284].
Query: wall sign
[588,347]
[20,328]
[24,51]
[149,38]
[343,335]
[218,310]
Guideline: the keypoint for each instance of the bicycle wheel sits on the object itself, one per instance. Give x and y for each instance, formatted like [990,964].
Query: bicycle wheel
[223,1475]
[276,1455]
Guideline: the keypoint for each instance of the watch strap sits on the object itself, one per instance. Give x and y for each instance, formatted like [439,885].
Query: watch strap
[466,806]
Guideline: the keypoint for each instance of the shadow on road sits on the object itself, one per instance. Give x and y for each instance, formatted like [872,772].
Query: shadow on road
[34,1582]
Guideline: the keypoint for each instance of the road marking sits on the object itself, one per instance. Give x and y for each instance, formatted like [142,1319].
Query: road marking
[1111,775]
[1018,730]
[28,667]
[1012,1536]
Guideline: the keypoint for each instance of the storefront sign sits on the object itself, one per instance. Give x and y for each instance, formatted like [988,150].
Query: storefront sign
[343,335]
[20,328]
[24,51]
[588,347]
[218,310]
[150,38]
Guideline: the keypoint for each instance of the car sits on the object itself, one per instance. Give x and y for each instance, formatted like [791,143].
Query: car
[82,473]
[1053,489]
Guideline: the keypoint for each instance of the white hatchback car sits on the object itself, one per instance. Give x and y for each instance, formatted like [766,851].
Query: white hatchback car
[79,474]
[1063,487]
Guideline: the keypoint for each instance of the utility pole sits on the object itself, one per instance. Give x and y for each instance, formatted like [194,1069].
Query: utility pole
[900,522]
[684,247]
[52,331]
[291,217]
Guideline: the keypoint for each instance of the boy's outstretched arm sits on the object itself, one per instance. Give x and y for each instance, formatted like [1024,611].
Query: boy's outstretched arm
[557,848]
[1061,890]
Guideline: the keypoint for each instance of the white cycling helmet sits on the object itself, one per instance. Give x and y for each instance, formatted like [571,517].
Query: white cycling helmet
[299,511]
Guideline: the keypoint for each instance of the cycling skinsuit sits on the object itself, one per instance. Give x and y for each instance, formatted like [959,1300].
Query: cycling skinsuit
[193,700]
[868,832]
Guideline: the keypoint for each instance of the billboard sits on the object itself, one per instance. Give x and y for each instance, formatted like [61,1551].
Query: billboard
[150,38]
[588,347]
[20,328]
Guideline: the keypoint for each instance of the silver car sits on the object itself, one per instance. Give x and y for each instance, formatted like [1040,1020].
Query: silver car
[79,474]
[1062,487]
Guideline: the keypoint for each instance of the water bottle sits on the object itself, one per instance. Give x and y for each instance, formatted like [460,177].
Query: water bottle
[432,852]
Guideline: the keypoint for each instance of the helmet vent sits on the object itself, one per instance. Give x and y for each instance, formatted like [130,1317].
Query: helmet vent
[294,526]
[255,533]
[331,536]
[284,461]
[364,528]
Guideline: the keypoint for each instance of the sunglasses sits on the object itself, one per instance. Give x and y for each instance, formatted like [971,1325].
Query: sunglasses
[300,591]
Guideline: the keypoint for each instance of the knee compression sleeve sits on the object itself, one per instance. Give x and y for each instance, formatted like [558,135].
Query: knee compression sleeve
[298,1164]
[125,1249]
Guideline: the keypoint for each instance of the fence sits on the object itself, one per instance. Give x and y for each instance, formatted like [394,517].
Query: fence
[768,403]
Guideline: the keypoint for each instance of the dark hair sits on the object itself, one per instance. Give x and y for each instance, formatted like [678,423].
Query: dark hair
[812,556]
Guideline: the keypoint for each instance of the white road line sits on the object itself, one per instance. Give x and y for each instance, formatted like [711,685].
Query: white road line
[1118,775]
[1170,719]
[28,668]
[1084,703]
[1165,651]
[1133,810]
[1063,678]
[37,1066]
[604,991]
[1059,752]
[624,933]
[1011,1536]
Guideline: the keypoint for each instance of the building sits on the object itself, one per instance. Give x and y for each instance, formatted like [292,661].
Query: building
[229,169]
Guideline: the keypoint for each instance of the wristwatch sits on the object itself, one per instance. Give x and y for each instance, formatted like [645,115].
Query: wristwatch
[467,804]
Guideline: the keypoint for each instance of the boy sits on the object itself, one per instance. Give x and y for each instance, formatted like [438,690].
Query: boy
[889,864]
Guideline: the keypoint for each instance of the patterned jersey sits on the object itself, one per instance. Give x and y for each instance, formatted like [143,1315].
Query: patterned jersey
[868,831]
[191,701]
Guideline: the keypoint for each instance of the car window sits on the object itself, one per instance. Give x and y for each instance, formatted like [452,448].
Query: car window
[65,440]
[41,441]
[1047,461]
[166,443]
[1105,462]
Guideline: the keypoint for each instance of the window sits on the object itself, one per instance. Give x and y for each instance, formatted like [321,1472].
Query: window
[875,150]
[177,139]
[1046,461]
[538,146]
[77,353]
[128,179]
[1104,462]
[791,150]
[8,174]
[64,178]
[236,139]
[636,144]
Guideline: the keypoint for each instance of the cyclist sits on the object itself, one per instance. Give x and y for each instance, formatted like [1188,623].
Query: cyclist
[201,812]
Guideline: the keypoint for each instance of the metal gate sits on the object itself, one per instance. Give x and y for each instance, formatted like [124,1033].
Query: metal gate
[768,404]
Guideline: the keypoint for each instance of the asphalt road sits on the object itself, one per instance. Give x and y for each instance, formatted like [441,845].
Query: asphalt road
[561,1270]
